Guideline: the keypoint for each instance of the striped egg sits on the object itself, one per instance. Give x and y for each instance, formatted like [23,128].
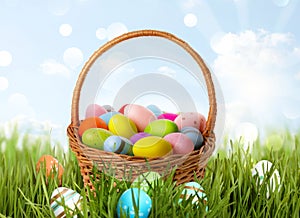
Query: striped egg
[195,191]
[65,201]
[195,135]
[118,144]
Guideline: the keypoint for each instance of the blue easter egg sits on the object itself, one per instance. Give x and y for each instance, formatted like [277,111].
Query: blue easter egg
[106,117]
[126,203]
[154,109]
[118,144]
[194,190]
[194,134]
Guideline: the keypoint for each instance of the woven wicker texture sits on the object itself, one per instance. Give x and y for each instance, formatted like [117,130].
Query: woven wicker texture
[129,167]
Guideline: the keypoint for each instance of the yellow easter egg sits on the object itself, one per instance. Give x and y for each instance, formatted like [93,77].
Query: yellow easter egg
[122,126]
[152,146]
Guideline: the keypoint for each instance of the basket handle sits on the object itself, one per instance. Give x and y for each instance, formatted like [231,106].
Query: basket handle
[211,119]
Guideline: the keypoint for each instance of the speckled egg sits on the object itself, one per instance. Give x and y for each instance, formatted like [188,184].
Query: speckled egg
[94,110]
[91,122]
[146,181]
[50,166]
[131,197]
[194,134]
[193,119]
[95,137]
[122,126]
[168,116]
[118,144]
[106,117]
[161,128]
[138,136]
[140,115]
[152,146]
[195,191]
[65,201]
[155,109]
[181,144]
[263,169]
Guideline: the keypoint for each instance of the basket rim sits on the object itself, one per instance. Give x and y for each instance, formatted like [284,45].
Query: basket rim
[211,118]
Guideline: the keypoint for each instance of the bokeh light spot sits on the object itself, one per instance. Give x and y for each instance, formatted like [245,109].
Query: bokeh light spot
[116,29]
[5,58]
[65,29]
[101,33]
[190,20]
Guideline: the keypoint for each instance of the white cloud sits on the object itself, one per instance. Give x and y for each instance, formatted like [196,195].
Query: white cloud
[35,129]
[18,104]
[52,67]
[281,3]
[5,58]
[73,57]
[3,83]
[256,70]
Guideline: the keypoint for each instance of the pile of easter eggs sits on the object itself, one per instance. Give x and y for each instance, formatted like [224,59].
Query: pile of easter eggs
[141,131]
[137,201]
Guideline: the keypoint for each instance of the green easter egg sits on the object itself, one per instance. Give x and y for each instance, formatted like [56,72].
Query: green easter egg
[95,137]
[146,180]
[161,127]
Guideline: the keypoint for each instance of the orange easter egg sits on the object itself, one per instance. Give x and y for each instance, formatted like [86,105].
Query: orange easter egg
[91,122]
[50,165]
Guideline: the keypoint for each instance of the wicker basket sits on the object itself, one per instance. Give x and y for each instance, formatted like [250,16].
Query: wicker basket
[186,166]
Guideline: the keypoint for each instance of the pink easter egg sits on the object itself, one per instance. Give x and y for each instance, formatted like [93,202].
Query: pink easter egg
[181,143]
[140,115]
[94,110]
[192,119]
[168,116]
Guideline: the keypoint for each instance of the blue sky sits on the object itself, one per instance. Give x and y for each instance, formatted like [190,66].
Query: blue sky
[252,47]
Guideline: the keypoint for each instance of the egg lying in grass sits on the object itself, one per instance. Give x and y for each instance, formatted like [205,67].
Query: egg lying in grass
[146,181]
[50,166]
[195,191]
[265,171]
[130,198]
[65,201]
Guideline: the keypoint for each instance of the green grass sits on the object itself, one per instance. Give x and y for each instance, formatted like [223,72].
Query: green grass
[231,190]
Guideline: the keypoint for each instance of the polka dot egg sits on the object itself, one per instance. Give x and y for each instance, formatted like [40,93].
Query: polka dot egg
[65,201]
[131,197]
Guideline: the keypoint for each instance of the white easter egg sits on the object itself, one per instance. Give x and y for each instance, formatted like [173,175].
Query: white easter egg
[65,197]
[262,169]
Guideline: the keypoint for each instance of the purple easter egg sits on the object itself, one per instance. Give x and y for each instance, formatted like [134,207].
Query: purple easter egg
[138,136]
